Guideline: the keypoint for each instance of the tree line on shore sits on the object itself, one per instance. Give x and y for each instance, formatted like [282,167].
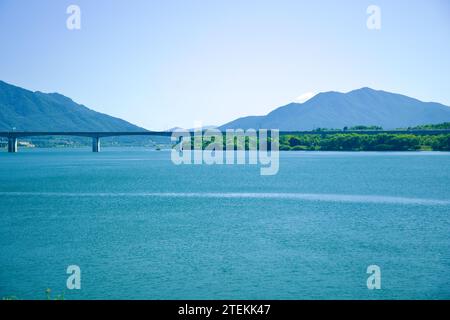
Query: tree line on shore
[349,142]
[366,142]
[342,141]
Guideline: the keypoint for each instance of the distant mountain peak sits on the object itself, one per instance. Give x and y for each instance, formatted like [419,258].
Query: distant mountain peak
[336,110]
[365,89]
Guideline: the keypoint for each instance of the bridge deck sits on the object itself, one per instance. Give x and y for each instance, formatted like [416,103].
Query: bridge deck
[92,134]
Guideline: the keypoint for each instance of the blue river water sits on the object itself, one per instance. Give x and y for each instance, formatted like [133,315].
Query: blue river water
[140,227]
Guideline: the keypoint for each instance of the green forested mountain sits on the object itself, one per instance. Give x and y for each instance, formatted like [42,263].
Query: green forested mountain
[25,110]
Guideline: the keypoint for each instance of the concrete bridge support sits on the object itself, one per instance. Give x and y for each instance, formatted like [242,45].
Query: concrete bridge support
[12,144]
[95,144]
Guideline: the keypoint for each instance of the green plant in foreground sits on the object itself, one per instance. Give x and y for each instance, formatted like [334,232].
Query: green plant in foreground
[48,292]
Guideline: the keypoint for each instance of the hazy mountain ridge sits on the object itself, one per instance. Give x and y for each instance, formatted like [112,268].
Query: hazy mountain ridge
[363,106]
[25,110]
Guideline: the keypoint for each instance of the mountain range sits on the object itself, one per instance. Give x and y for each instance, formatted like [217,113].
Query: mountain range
[25,110]
[336,110]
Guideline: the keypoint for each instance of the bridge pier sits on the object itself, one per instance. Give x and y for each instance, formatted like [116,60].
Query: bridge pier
[95,144]
[12,144]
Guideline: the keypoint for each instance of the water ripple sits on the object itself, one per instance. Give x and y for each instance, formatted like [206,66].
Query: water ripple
[244,195]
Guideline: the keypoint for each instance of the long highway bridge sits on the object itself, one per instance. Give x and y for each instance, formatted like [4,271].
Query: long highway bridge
[13,136]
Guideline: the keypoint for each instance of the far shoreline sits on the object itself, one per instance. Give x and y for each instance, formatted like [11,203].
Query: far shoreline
[88,148]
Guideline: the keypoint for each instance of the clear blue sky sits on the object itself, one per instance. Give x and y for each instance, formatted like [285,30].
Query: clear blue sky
[165,63]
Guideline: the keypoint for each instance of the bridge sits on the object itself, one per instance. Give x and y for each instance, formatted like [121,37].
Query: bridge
[13,136]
